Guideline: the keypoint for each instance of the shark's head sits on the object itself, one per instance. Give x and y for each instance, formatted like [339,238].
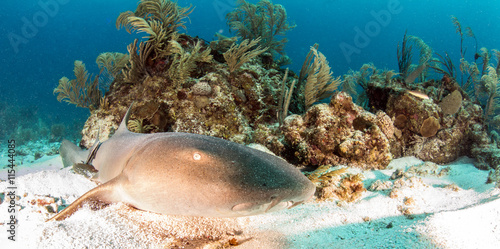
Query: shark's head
[218,178]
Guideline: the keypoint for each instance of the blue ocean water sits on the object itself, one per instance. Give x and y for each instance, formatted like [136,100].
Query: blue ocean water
[41,39]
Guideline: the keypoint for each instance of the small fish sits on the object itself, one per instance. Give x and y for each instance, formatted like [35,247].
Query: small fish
[418,94]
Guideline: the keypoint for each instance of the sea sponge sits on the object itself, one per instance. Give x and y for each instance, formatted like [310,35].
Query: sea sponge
[429,127]
[202,88]
[400,121]
[451,103]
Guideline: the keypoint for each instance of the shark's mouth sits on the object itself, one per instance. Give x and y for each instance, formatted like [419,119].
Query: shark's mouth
[275,203]
[249,208]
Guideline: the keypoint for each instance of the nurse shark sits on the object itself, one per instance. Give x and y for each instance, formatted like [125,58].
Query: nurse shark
[187,174]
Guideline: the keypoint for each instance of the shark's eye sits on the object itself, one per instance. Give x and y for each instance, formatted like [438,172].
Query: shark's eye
[196,156]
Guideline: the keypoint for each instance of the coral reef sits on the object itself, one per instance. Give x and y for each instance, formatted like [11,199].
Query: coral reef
[101,125]
[183,62]
[178,84]
[136,70]
[451,103]
[110,65]
[423,129]
[112,62]
[429,127]
[217,104]
[234,88]
[137,126]
[458,28]
[285,98]
[339,133]
[492,90]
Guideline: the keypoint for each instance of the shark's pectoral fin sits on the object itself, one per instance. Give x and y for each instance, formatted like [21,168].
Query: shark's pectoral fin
[71,154]
[98,197]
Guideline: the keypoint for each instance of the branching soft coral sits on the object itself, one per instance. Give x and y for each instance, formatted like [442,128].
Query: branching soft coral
[112,62]
[135,71]
[237,55]
[408,71]
[264,19]
[82,91]
[425,57]
[111,65]
[492,87]
[183,63]
[160,19]
[471,73]
[319,83]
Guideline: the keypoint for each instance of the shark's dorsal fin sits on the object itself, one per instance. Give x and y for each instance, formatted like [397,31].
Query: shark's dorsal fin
[123,125]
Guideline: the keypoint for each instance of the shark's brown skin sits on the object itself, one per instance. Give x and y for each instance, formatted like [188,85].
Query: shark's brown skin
[188,174]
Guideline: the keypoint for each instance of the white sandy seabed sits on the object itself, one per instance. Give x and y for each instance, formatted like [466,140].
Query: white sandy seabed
[465,216]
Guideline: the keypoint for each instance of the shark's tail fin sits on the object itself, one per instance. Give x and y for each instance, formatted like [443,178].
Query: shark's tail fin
[71,153]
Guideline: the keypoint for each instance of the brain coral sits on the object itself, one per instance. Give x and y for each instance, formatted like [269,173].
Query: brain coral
[202,88]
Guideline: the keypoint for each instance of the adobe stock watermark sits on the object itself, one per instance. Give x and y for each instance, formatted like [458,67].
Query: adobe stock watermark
[222,7]
[31,25]
[363,37]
